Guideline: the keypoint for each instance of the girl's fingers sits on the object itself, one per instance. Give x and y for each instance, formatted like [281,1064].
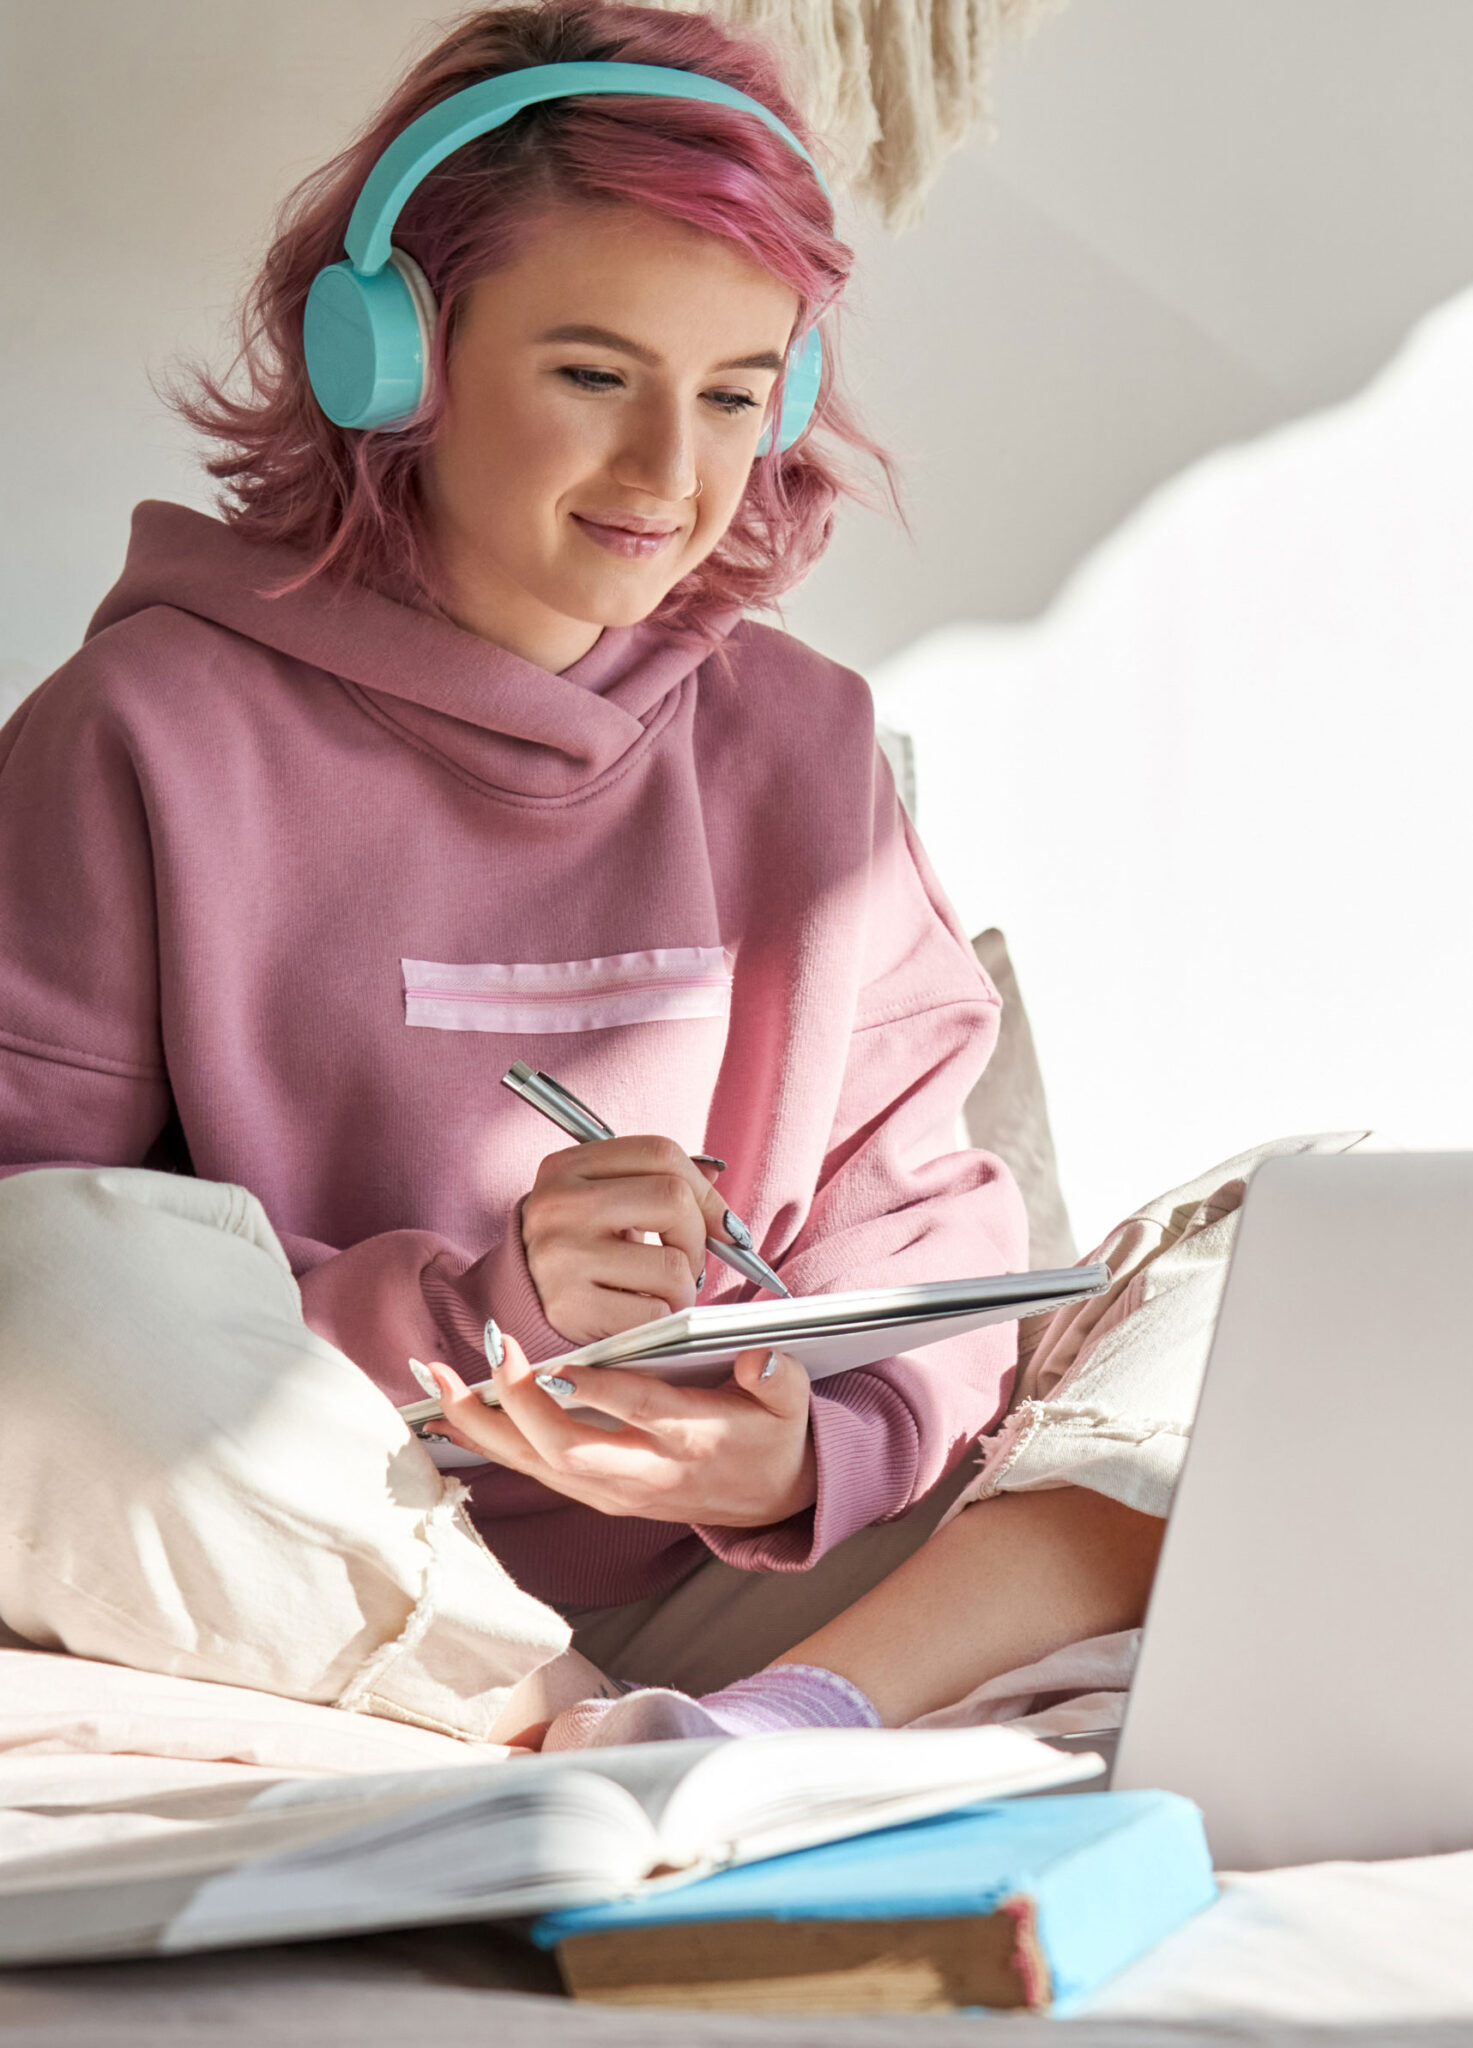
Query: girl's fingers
[639,1399]
[578,1202]
[657,1464]
[449,1387]
[714,1211]
[471,1424]
[663,1158]
[774,1379]
[627,1158]
[558,1438]
[598,1312]
[658,1273]
[531,1434]
[495,1432]
[667,1204]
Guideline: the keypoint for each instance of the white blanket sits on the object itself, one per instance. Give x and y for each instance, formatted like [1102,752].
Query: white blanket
[93,1753]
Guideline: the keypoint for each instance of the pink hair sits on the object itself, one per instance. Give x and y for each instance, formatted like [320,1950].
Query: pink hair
[353,502]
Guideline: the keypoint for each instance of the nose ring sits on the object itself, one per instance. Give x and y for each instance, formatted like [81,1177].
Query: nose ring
[700,486]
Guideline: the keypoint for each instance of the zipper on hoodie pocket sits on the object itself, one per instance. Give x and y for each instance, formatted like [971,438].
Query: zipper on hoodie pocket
[521,997]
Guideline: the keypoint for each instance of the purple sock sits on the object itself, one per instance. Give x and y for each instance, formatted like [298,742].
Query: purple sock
[787,1696]
[790,1696]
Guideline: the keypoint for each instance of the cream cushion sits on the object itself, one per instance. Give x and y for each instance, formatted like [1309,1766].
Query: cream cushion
[1006,1113]
[1108,1386]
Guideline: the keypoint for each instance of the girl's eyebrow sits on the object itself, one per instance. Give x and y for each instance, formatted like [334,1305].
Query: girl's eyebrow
[602,337]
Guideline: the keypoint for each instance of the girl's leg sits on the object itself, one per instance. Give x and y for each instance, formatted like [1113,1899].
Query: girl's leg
[1009,1580]
[192,1481]
[721,1624]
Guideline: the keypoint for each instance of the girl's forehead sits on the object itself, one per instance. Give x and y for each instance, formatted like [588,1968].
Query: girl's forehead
[577,257]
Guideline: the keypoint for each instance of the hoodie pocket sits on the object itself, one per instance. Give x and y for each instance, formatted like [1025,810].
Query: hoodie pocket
[520,996]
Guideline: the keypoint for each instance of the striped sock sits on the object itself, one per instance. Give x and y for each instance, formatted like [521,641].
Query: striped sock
[790,1696]
[783,1696]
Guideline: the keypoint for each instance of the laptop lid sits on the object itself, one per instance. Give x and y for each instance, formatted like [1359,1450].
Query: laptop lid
[1306,1672]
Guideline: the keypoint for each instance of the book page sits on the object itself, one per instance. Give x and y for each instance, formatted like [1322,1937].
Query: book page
[771,1793]
[555,1838]
[651,1772]
[314,1856]
[204,1826]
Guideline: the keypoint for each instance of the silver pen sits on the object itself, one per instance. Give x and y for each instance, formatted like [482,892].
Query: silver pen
[560,1106]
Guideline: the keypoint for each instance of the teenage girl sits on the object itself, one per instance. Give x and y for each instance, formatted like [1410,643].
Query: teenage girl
[452,742]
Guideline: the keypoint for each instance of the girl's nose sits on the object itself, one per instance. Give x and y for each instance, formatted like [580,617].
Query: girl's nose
[659,457]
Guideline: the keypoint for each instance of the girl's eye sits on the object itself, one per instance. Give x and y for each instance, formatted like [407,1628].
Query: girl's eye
[584,379]
[591,380]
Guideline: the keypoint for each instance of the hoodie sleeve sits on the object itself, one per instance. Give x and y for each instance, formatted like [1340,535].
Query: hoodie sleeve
[410,1294]
[896,1202]
[82,1077]
[83,1072]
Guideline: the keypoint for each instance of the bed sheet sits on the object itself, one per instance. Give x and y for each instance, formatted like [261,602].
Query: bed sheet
[1338,1944]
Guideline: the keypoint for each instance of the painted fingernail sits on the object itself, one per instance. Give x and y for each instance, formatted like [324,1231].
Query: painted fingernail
[425,1377]
[433,1436]
[554,1383]
[494,1343]
[709,1159]
[770,1368]
[736,1230]
[700,1279]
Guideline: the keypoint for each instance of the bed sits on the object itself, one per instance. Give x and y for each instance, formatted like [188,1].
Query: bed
[90,1752]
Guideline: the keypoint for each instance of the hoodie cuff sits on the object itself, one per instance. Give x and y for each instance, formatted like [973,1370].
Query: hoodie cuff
[867,1449]
[501,1285]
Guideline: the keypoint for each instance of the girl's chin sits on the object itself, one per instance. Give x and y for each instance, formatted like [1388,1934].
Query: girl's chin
[620,600]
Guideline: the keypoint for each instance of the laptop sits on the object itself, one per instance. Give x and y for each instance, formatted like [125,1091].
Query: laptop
[1306,1670]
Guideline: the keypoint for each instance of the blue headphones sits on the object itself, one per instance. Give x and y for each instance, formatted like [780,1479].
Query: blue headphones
[369,322]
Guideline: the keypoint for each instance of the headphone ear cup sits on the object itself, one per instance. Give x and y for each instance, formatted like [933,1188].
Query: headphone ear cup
[367,341]
[801,379]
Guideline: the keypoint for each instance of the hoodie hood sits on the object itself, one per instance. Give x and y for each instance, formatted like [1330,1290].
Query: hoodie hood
[505,721]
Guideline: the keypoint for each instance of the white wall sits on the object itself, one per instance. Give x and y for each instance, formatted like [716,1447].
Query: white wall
[1219,797]
[143,147]
[1201,216]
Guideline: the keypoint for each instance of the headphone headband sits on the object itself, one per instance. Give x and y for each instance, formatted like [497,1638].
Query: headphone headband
[414,153]
[369,323]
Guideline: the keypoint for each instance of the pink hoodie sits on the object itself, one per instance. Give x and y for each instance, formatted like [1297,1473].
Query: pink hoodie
[287,884]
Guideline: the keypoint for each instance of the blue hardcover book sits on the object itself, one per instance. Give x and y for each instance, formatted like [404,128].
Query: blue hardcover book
[1011,1903]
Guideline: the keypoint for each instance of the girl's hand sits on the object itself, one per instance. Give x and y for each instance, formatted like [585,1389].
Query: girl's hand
[582,1224]
[735,1457]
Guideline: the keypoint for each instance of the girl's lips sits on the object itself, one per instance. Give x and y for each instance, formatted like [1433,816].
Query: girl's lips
[621,540]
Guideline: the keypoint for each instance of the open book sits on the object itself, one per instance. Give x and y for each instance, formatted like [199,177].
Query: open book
[307,1858]
[826,1333]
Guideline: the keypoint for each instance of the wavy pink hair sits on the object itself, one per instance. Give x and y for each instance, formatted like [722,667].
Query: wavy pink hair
[354,502]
